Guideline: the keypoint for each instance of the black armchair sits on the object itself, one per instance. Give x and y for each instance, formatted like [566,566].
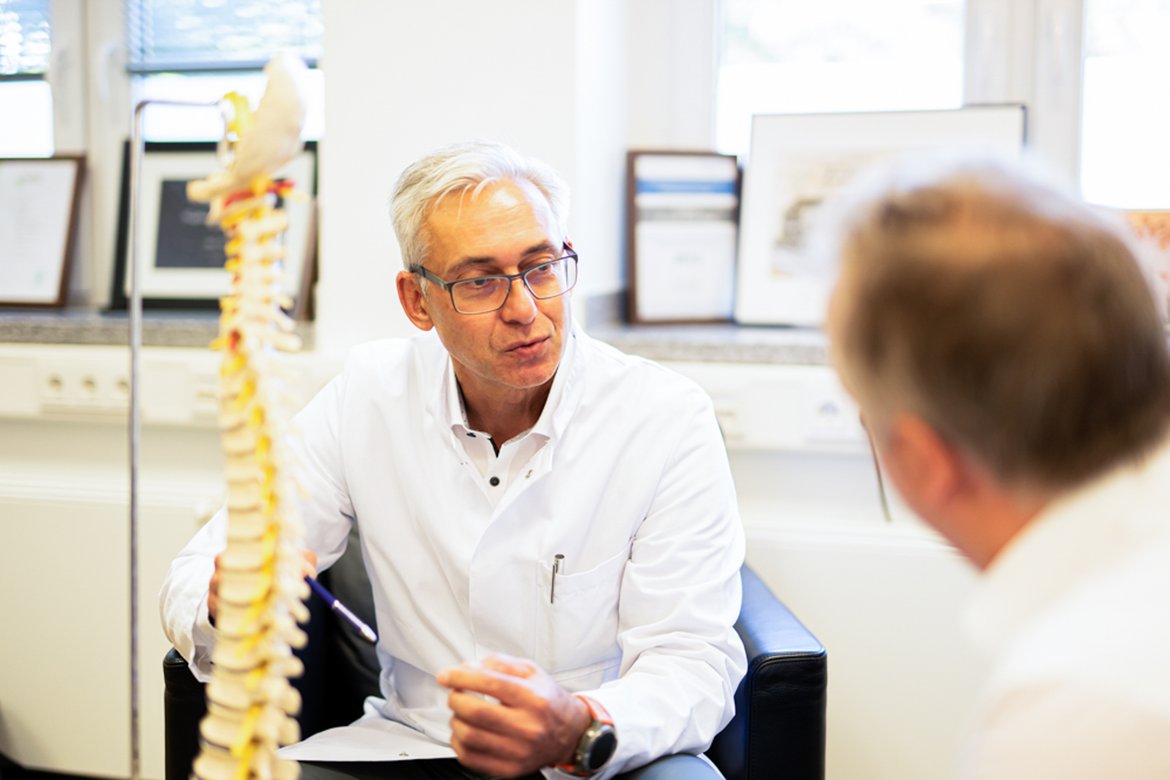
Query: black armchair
[778,732]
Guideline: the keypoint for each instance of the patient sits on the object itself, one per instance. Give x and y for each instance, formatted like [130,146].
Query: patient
[1008,359]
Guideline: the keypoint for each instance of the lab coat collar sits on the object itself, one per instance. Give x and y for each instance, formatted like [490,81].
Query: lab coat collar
[1080,532]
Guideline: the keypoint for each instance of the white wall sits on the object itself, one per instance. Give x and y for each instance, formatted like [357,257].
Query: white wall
[574,83]
[405,78]
[671,79]
[885,598]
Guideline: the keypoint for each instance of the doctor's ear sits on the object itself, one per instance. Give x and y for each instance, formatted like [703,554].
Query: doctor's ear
[414,303]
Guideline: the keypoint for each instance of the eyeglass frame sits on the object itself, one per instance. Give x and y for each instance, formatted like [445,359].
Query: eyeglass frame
[877,468]
[569,254]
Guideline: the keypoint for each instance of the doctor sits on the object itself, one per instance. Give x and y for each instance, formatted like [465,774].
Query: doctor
[549,525]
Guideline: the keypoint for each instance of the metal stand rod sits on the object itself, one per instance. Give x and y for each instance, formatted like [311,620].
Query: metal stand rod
[137,151]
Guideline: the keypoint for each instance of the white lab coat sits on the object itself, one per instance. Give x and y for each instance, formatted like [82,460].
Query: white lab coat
[628,479]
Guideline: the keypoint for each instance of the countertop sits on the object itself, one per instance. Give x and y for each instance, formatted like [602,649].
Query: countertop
[700,343]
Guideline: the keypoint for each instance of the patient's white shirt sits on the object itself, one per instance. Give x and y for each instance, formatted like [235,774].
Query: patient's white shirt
[1076,614]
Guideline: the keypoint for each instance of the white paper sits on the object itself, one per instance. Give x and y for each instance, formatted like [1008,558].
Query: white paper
[36,200]
[373,738]
[684,236]
[685,269]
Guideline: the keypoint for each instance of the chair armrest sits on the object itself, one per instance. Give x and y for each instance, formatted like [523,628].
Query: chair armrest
[779,726]
[183,708]
[337,676]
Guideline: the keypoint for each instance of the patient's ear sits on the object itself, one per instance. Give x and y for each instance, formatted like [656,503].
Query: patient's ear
[414,303]
[928,471]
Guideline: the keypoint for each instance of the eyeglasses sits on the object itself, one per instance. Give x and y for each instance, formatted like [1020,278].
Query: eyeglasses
[484,294]
[877,468]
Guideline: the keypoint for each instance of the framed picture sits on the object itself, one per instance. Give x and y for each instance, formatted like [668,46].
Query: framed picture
[798,160]
[681,214]
[183,256]
[1151,230]
[38,221]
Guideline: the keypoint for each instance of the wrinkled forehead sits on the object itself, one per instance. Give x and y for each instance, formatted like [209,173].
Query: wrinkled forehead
[500,192]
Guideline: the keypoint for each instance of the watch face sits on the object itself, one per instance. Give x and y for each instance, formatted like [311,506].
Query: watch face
[600,749]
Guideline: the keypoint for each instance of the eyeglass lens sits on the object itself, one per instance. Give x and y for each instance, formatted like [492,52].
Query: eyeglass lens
[488,293]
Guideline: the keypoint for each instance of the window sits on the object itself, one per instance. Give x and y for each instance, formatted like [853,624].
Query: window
[198,50]
[791,56]
[26,100]
[1125,113]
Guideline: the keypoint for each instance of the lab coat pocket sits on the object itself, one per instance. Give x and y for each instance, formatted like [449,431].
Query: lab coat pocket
[578,636]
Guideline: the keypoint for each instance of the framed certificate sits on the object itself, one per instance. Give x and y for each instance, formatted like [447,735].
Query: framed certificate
[38,219]
[682,209]
[183,256]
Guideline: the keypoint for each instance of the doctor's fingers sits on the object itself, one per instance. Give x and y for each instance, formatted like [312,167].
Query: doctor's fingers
[490,763]
[310,566]
[473,739]
[504,754]
[521,722]
[509,689]
[213,591]
[510,664]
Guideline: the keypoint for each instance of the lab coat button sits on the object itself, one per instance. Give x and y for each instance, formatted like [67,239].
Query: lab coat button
[494,481]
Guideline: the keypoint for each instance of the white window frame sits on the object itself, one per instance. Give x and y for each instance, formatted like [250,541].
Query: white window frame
[1016,51]
[1030,51]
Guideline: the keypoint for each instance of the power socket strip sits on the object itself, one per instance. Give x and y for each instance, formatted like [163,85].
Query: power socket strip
[177,386]
[84,386]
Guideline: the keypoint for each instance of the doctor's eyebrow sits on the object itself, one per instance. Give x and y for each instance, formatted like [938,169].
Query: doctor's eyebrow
[544,247]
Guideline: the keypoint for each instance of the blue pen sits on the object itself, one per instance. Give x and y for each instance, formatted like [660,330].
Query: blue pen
[335,605]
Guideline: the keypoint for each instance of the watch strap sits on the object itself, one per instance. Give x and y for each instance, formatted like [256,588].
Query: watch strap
[600,716]
[599,713]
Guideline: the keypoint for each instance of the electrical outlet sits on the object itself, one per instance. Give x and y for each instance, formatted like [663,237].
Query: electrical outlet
[831,418]
[73,383]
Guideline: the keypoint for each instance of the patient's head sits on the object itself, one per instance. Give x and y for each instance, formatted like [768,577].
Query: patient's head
[1004,314]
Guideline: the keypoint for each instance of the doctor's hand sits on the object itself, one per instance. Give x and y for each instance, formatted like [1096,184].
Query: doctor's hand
[308,570]
[533,722]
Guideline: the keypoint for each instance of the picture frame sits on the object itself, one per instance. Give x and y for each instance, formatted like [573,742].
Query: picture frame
[1151,235]
[39,199]
[798,161]
[182,256]
[682,214]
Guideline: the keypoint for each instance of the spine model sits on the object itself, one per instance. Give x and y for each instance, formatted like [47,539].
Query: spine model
[250,702]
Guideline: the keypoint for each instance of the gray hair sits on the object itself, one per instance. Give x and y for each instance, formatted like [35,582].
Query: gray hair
[458,169]
[1010,316]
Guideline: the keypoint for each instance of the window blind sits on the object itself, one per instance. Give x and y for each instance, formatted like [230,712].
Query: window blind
[219,35]
[24,38]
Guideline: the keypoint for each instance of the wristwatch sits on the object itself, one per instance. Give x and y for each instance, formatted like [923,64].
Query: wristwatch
[596,745]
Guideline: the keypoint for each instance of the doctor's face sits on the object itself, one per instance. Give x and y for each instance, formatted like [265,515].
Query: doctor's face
[506,229]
